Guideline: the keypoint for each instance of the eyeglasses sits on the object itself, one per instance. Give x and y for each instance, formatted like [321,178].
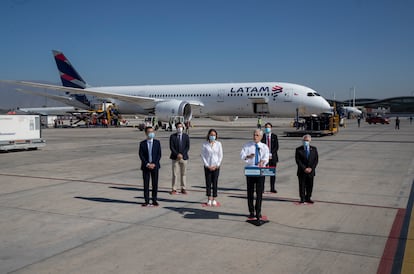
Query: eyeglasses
[256,134]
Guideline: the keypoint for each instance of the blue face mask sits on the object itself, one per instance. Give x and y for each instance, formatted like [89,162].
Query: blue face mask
[151,135]
[306,143]
[268,130]
[212,138]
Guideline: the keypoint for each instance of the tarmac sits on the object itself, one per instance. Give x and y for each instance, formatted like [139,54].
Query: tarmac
[74,206]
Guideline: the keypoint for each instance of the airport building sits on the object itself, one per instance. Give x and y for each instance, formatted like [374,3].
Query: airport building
[403,105]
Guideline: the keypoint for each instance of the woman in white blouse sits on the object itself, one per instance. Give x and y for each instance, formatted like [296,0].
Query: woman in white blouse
[212,155]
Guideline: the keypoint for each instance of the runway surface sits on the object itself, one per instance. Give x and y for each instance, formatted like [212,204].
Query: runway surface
[74,206]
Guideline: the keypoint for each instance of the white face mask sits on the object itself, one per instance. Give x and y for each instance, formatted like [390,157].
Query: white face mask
[179,129]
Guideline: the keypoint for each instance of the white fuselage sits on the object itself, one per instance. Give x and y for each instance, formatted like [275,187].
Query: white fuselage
[228,99]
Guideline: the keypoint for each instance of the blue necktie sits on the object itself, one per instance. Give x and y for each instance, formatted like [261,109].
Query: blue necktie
[307,152]
[150,152]
[256,155]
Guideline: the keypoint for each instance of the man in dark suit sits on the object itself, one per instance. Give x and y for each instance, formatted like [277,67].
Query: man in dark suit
[150,155]
[179,146]
[306,157]
[270,139]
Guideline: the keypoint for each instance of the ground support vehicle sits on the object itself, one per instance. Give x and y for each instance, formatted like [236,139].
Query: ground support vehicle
[20,132]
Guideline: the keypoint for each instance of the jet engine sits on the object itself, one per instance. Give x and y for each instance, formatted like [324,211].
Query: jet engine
[164,110]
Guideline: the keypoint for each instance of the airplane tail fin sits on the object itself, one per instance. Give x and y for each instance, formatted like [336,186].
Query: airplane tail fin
[68,75]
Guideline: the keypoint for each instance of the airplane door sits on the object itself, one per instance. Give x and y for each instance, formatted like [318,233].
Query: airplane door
[220,95]
[288,95]
[259,108]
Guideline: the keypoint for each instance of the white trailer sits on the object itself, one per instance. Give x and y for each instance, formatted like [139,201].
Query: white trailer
[20,132]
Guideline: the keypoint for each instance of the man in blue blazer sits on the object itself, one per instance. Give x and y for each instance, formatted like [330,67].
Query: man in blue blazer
[306,157]
[150,155]
[179,146]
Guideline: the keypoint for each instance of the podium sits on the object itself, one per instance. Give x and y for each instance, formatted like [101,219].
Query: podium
[256,171]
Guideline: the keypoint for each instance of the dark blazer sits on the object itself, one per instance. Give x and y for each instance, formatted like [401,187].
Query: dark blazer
[174,146]
[144,156]
[274,147]
[303,162]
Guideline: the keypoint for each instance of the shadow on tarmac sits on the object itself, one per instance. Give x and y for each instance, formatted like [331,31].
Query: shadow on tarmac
[194,213]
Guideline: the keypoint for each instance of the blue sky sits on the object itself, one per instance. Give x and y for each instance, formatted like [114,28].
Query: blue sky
[330,46]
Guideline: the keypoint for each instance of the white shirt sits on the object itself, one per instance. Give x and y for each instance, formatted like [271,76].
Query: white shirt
[212,153]
[250,148]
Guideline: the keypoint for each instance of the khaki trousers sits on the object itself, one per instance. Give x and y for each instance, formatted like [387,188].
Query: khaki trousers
[179,171]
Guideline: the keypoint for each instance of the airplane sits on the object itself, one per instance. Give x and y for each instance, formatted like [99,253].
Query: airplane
[220,101]
[352,110]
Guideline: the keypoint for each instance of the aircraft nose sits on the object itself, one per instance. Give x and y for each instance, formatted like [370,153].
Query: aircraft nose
[326,107]
[320,105]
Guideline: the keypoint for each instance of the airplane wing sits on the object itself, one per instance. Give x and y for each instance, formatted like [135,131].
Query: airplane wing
[67,100]
[52,110]
[145,102]
[127,98]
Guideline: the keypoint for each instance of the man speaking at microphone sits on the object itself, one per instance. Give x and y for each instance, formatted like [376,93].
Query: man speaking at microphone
[255,153]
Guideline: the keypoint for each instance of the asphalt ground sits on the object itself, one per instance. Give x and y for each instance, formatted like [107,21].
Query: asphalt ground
[74,206]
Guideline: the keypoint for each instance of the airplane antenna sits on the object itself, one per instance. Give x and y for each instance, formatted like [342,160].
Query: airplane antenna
[354,98]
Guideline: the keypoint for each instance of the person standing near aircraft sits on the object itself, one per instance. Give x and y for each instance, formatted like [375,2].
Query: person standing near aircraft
[397,123]
[259,122]
[306,157]
[270,139]
[179,146]
[150,155]
[212,155]
[255,153]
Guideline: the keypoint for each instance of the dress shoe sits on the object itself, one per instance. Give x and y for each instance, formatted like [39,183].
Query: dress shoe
[173,192]
[145,204]
[252,216]
[273,191]
[309,201]
[183,191]
[155,203]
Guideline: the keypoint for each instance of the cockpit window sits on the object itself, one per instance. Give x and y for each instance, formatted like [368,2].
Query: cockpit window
[310,94]
[317,94]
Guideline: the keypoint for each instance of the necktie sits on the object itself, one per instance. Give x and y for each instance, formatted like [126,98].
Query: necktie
[256,155]
[150,152]
[268,140]
[180,145]
[307,152]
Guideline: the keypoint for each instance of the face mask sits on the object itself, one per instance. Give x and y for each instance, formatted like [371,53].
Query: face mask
[212,138]
[179,129]
[268,130]
[306,143]
[151,135]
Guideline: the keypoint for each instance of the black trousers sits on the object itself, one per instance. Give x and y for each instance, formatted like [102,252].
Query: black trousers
[272,179]
[252,183]
[153,174]
[305,187]
[211,181]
